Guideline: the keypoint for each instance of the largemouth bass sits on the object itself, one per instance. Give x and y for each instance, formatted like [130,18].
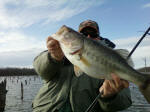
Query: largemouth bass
[98,61]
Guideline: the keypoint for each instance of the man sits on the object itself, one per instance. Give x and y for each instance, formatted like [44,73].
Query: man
[62,91]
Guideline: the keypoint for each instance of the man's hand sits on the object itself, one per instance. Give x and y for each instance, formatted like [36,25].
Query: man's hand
[54,49]
[112,87]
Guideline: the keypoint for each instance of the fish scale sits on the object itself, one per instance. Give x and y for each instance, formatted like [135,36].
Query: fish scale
[99,61]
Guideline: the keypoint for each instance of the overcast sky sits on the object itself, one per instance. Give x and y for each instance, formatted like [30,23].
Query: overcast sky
[25,25]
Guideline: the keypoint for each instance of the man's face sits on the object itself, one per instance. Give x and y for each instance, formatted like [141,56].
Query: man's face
[90,33]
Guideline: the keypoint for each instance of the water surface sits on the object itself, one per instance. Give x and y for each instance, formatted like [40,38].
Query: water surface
[32,84]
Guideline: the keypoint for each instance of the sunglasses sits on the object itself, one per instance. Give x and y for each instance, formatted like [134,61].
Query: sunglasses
[89,31]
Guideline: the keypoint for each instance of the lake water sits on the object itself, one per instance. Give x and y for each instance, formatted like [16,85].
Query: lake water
[32,84]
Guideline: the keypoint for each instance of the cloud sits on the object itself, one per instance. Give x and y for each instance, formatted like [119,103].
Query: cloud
[146,5]
[141,52]
[17,41]
[18,49]
[130,42]
[23,13]
[22,58]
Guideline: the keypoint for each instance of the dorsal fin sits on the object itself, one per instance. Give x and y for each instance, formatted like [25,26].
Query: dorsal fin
[124,53]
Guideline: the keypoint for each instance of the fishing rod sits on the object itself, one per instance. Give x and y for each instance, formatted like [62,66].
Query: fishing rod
[138,42]
[100,93]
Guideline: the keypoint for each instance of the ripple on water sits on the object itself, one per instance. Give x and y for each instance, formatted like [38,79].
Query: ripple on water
[33,84]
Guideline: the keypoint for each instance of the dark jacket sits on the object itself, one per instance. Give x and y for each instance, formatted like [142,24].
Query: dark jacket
[61,85]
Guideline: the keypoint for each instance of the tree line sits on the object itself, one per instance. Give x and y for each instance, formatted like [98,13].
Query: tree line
[31,71]
[17,72]
[144,69]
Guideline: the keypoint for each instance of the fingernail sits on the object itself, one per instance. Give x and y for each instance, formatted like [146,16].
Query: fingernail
[101,89]
[102,92]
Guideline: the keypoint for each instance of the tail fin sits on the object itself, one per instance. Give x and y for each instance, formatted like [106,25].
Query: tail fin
[145,88]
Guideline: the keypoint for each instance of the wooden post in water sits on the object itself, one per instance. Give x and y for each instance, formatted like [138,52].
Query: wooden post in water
[3,93]
[26,82]
[34,78]
[21,91]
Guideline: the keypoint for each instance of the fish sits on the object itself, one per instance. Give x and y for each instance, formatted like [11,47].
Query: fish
[99,61]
